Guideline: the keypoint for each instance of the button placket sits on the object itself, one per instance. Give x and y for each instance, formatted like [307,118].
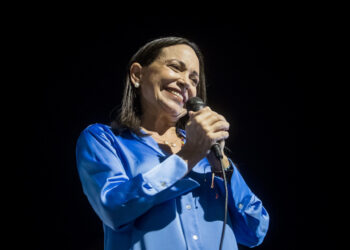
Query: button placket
[190,223]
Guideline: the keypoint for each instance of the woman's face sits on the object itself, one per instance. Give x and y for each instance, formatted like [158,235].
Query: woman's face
[168,82]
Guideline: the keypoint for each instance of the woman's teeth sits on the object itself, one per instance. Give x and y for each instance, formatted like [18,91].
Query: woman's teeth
[175,93]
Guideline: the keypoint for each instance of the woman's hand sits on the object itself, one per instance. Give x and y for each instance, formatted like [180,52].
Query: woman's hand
[215,162]
[204,128]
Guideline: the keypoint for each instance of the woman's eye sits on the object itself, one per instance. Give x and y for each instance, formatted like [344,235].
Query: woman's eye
[175,67]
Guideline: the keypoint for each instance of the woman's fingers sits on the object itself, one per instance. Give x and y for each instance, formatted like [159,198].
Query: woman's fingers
[218,136]
[205,128]
[211,121]
[206,116]
[220,125]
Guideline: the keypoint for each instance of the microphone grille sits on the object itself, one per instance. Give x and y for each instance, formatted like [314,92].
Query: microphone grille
[195,103]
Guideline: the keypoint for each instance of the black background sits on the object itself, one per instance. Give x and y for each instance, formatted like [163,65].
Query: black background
[73,71]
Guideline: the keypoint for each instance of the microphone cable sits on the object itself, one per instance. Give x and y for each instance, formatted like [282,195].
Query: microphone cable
[220,158]
[226,204]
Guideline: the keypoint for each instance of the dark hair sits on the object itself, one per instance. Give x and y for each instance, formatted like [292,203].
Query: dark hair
[129,113]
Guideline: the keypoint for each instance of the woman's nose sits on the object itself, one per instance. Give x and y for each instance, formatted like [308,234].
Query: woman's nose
[184,82]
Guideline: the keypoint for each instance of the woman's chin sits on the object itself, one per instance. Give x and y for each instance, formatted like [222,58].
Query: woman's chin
[175,110]
[181,114]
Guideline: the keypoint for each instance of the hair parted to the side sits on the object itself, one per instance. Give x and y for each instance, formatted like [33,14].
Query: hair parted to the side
[128,115]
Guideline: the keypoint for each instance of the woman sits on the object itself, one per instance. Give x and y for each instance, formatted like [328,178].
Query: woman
[148,176]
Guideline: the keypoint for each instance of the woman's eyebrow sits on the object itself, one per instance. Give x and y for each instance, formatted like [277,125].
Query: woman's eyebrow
[183,65]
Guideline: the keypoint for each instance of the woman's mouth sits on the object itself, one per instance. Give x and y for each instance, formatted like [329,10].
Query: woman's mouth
[175,94]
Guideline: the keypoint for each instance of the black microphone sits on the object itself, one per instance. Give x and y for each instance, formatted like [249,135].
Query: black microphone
[195,104]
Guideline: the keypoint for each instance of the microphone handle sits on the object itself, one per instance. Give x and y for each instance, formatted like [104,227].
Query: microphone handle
[217,150]
[195,104]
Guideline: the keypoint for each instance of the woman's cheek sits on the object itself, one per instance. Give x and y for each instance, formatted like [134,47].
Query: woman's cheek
[170,75]
[192,93]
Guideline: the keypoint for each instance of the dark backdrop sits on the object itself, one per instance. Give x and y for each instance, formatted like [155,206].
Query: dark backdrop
[76,67]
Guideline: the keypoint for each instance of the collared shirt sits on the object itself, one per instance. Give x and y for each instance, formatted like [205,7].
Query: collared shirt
[146,200]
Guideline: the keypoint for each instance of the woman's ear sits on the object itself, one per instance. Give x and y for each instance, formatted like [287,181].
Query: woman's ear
[135,72]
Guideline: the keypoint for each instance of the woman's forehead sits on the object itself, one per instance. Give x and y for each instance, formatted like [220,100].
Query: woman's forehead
[180,52]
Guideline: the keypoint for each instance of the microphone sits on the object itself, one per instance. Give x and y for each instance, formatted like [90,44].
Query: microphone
[195,104]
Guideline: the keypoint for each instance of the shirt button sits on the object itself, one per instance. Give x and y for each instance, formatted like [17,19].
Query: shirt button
[188,207]
[163,183]
[195,237]
[240,205]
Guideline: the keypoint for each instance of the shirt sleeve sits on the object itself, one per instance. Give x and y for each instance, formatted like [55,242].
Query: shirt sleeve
[250,219]
[117,198]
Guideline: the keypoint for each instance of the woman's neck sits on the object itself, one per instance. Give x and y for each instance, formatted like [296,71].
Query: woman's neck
[158,124]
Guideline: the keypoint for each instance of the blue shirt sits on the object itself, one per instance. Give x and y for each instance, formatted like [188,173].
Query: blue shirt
[146,201]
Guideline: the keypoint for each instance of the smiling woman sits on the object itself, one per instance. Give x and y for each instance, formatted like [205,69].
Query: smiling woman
[165,88]
[147,175]
[155,52]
